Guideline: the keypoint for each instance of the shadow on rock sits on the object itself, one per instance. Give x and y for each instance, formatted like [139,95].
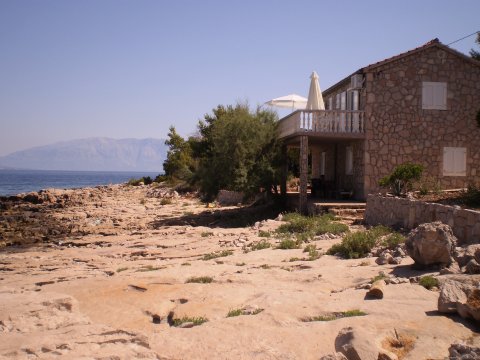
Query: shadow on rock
[25,223]
[226,218]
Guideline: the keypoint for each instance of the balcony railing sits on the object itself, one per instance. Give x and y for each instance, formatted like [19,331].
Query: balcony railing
[326,122]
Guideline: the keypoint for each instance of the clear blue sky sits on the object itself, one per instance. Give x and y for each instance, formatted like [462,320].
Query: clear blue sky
[113,68]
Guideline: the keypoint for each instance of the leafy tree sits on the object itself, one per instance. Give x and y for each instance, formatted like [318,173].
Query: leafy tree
[179,163]
[473,53]
[237,150]
[401,179]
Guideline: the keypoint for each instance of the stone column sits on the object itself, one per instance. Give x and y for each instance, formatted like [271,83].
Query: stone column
[284,173]
[302,204]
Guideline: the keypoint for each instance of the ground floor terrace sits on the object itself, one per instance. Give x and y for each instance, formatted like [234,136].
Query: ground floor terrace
[331,147]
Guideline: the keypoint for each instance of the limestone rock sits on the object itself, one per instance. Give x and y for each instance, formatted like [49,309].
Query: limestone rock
[384,258]
[451,293]
[356,344]
[473,267]
[462,351]
[452,269]
[336,356]
[376,290]
[463,255]
[431,243]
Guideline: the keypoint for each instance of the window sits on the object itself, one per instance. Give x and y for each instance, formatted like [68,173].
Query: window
[434,95]
[349,161]
[322,164]
[343,100]
[337,101]
[454,161]
[330,103]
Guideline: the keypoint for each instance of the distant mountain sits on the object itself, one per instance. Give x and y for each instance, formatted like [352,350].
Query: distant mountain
[95,154]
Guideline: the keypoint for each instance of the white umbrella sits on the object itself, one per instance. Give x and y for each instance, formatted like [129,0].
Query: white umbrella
[289,101]
[315,99]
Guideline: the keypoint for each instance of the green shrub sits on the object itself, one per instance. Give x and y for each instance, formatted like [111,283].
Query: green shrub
[335,315]
[401,179]
[200,280]
[428,282]
[165,201]
[393,240]
[286,244]
[313,253]
[207,233]
[306,227]
[360,244]
[472,195]
[215,255]
[146,180]
[235,312]
[354,246]
[263,233]
[195,320]
[263,244]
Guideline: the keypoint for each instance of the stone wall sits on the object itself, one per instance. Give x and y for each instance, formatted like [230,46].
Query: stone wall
[398,130]
[406,213]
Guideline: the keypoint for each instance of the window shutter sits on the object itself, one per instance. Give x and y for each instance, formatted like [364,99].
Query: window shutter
[454,161]
[434,95]
[448,161]
[427,96]
[440,96]
[460,161]
[330,103]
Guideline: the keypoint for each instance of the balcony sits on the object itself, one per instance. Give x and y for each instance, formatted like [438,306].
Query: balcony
[323,123]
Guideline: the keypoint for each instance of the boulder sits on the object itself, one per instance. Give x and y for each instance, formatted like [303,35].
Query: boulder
[452,292]
[462,351]
[460,295]
[463,255]
[431,243]
[357,344]
[473,267]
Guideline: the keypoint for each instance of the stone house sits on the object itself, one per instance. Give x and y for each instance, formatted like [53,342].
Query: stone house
[419,106]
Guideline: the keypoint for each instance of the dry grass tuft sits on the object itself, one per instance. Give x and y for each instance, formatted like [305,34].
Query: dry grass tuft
[400,344]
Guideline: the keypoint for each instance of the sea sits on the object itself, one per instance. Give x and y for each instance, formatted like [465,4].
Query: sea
[14,182]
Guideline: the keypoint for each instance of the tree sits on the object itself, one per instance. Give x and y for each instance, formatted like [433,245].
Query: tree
[179,163]
[237,150]
[473,53]
[401,179]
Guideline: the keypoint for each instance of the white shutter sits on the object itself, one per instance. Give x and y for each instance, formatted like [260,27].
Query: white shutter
[440,96]
[343,100]
[454,161]
[427,95]
[460,161]
[434,95]
[330,103]
[337,101]
[448,161]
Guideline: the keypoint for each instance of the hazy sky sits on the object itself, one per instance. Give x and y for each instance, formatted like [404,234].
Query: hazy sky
[75,69]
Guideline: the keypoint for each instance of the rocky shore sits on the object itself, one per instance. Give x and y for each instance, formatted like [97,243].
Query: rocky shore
[121,272]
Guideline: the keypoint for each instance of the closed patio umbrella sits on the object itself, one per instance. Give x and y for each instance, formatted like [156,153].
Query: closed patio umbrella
[293,101]
[315,99]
